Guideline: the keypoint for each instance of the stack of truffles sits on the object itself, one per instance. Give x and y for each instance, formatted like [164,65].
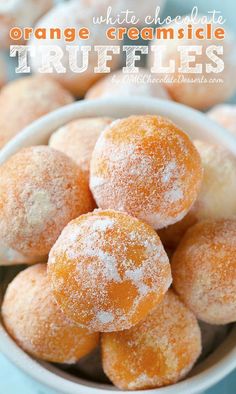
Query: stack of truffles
[130,258]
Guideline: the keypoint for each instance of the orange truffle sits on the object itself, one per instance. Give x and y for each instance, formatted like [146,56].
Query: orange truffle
[78,138]
[26,99]
[147,167]
[157,352]
[41,190]
[204,270]
[216,198]
[36,323]
[225,116]
[108,270]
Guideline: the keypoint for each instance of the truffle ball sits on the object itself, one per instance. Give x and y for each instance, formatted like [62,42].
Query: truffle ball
[108,270]
[216,198]
[157,352]
[204,270]
[147,167]
[26,99]
[78,138]
[225,115]
[41,190]
[34,320]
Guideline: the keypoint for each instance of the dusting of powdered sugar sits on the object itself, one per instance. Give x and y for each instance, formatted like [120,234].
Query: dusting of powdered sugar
[132,169]
[45,190]
[204,270]
[37,324]
[161,337]
[105,317]
[108,251]
[78,138]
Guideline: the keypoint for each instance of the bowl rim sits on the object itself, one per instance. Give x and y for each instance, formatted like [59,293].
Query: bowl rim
[38,371]
[41,129]
[53,120]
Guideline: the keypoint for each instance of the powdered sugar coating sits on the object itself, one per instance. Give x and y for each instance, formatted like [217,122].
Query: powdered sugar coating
[26,99]
[78,138]
[108,270]
[147,167]
[41,190]
[120,84]
[225,115]
[204,270]
[35,321]
[216,198]
[157,352]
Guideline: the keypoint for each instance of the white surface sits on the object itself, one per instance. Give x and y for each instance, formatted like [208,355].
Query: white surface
[222,361]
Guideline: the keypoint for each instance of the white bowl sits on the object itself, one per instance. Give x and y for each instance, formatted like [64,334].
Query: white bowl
[223,360]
